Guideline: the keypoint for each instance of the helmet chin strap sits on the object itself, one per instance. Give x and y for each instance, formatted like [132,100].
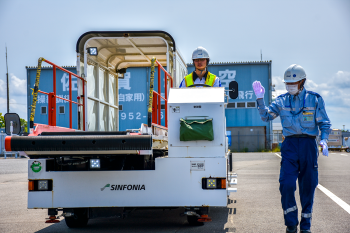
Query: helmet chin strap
[302,85]
[202,70]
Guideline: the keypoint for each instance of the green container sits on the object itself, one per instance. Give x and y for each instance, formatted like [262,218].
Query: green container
[196,129]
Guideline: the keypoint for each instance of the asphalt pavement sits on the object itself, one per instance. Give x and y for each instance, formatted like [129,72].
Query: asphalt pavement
[254,208]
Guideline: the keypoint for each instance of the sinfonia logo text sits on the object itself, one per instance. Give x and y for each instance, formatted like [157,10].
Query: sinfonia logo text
[128,187]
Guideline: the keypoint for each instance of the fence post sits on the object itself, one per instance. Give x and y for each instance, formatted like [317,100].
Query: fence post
[51,111]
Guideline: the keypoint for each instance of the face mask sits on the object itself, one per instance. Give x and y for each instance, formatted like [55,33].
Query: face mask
[292,89]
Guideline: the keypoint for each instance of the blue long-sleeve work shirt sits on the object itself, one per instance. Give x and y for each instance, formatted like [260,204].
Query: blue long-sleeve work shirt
[300,114]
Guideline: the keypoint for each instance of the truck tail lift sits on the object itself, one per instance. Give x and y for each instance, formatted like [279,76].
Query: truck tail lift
[95,171]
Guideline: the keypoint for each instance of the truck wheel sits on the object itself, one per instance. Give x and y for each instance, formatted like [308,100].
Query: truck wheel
[348,150]
[193,221]
[80,219]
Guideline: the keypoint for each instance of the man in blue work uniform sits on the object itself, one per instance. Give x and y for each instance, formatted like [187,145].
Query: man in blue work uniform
[302,115]
[201,75]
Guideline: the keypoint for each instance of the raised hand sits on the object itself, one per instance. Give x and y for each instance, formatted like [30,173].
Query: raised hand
[258,89]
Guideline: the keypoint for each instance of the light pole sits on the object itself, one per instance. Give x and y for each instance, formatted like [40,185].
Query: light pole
[7,83]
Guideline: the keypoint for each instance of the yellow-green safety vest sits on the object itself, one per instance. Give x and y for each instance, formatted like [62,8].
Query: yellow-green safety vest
[210,80]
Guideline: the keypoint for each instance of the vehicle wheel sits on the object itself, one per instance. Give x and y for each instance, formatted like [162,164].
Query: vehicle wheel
[192,220]
[348,150]
[80,219]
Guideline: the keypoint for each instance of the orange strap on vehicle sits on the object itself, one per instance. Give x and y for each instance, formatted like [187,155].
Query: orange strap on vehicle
[8,143]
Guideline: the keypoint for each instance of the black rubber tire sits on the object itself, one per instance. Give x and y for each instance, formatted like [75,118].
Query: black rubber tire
[348,150]
[80,219]
[192,220]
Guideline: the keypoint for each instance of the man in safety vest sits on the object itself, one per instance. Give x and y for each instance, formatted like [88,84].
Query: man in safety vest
[200,75]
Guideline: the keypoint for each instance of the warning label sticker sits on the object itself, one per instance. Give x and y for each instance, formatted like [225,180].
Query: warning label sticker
[175,109]
[197,165]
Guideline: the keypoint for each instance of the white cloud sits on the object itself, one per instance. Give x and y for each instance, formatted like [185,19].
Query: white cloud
[341,79]
[310,84]
[2,103]
[18,86]
[15,107]
[335,92]
[2,88]
[278,82]
[18,96]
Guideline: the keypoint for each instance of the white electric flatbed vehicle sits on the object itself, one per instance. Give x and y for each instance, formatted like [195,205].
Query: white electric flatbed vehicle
[97,171]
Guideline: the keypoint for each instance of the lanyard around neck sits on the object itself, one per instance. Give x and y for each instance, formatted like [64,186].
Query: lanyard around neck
[290,105]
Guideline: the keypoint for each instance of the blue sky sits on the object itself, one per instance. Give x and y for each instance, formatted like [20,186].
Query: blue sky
[314,34]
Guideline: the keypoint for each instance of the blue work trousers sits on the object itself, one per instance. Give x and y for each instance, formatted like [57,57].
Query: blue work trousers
[299,161]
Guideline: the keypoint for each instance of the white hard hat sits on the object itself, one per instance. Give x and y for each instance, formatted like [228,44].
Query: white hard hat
[294,73]
[200,52]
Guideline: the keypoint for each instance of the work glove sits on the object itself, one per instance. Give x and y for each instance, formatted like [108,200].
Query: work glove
[258,89]
[323,143]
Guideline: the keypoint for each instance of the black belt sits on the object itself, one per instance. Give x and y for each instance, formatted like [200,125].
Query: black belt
[301,136]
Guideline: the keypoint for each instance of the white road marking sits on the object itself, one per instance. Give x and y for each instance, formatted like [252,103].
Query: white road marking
[333,153]
[336,199]
[278,155]
[343,154]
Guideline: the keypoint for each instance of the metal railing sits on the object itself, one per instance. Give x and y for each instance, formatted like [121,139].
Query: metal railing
[52,95]
[157,96]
